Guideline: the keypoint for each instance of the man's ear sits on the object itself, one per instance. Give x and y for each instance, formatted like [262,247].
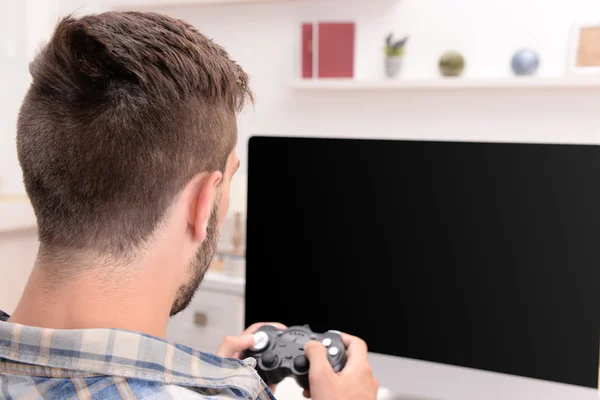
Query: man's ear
[201,207]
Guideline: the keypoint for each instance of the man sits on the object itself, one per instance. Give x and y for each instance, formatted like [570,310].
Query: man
[126,139]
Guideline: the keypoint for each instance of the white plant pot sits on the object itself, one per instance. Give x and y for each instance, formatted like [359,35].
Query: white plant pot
[393,65]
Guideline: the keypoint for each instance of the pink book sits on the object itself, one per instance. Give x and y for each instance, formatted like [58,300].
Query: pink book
[335,49]
[307,50]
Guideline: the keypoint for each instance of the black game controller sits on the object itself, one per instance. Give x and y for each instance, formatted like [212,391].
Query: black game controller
[280,353]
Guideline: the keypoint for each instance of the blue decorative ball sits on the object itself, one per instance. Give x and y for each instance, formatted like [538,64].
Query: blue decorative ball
[525,62]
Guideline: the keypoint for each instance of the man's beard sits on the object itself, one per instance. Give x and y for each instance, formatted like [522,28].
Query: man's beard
[199,264]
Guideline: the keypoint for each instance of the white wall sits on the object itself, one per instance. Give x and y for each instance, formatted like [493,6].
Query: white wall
[12,84]
[266,38]
[26,24]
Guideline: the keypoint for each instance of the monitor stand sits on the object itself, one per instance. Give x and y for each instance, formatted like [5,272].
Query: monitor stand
[407,379]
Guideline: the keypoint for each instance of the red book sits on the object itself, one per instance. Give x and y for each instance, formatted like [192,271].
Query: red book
[307,50]
[336,50]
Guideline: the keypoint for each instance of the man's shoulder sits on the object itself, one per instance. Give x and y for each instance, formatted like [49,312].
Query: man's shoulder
[109,388]
[120,364]
[102,387]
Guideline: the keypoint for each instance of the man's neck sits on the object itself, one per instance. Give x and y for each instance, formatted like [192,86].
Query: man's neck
[130,298]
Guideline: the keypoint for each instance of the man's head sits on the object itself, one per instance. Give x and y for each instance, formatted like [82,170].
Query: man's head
[127,136]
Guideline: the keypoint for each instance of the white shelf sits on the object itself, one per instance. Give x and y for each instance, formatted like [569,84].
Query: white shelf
[144,4]
[516,83]
[214,281]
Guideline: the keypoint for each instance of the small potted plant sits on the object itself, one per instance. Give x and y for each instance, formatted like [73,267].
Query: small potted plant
[394,50]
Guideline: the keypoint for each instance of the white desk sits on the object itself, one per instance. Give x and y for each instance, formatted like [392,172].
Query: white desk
[403,379]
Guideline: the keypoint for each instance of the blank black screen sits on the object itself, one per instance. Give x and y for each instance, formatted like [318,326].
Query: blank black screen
[481,255]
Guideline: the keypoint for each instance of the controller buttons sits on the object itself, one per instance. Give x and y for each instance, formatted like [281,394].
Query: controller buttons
[326,342]
[269,359]
[288,356]
[261,340]
[279,333]
[333,351]
[301,363]
[313,336]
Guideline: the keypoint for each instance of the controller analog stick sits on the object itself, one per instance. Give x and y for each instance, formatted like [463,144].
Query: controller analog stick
[301,363]
[269,359]
[261,340]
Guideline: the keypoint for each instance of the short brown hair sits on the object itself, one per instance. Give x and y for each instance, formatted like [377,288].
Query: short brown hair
[123,110]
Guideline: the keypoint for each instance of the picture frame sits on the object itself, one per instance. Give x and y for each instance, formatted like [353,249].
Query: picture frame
[584,49]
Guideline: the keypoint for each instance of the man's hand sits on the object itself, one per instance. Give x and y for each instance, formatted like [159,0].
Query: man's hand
[234,346]
[354,382]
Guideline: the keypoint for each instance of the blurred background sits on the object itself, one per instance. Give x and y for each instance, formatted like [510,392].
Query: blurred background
[512,70]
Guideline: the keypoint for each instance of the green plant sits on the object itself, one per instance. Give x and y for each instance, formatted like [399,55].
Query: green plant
[394,48]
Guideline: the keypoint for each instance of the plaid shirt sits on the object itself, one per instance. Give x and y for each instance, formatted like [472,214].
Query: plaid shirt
[37,363]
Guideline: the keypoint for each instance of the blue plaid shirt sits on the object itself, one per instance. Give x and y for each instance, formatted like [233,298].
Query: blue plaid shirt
[37,363]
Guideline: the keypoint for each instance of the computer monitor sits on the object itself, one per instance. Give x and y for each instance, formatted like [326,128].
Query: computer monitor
[480,255]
